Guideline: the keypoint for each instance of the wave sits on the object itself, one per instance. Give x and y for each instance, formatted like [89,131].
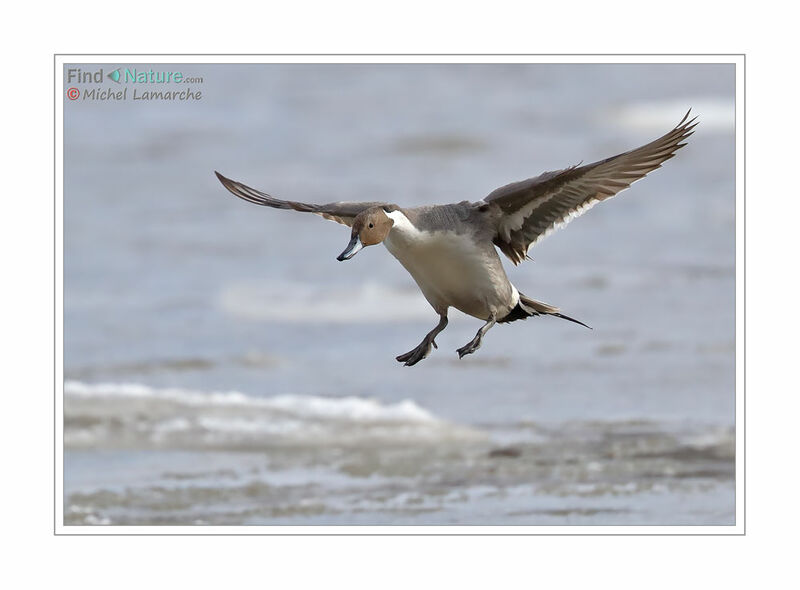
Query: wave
[714,114]
[132,415]
[305,302]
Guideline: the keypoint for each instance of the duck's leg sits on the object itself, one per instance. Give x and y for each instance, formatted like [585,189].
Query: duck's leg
[412,357]
[475,343]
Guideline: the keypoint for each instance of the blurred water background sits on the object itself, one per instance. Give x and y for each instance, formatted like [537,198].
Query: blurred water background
[223,368]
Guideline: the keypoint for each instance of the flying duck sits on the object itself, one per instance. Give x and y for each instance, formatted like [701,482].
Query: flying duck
[450,250]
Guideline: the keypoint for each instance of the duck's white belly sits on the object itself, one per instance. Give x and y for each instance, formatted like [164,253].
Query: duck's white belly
[452,271]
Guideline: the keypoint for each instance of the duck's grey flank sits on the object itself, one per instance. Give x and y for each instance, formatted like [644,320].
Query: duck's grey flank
[451,250]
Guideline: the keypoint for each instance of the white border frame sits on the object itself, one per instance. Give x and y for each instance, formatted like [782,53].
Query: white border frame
[517,530]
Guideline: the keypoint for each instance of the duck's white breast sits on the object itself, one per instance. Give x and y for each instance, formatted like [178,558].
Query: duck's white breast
[451,269]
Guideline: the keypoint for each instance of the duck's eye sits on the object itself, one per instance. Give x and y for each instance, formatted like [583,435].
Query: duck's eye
[371,226]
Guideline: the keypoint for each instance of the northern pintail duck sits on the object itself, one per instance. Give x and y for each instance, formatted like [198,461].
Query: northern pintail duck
[449,250]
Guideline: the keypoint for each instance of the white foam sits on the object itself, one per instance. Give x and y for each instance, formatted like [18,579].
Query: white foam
[349,408]
[136,415]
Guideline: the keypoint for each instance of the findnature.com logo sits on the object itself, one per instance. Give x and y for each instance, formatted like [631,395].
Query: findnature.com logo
[133,76]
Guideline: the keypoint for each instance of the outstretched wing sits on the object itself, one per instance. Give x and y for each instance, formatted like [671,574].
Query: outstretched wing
[533,208]
[343,212]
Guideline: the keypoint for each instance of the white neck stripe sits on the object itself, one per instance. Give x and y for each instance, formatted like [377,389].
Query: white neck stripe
[401,222]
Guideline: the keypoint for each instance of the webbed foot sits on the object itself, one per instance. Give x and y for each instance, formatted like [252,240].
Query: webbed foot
[470,347]
[412,357]
[475,343]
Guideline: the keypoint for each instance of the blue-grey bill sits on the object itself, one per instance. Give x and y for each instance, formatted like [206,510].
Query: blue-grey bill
[352,249]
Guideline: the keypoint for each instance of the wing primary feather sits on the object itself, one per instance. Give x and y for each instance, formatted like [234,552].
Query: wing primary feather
[341,212]
[529,210]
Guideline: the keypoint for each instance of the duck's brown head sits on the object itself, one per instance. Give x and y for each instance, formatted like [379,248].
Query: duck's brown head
[370,227]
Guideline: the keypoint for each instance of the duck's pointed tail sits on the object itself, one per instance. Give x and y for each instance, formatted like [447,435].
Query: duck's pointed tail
[528,307]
